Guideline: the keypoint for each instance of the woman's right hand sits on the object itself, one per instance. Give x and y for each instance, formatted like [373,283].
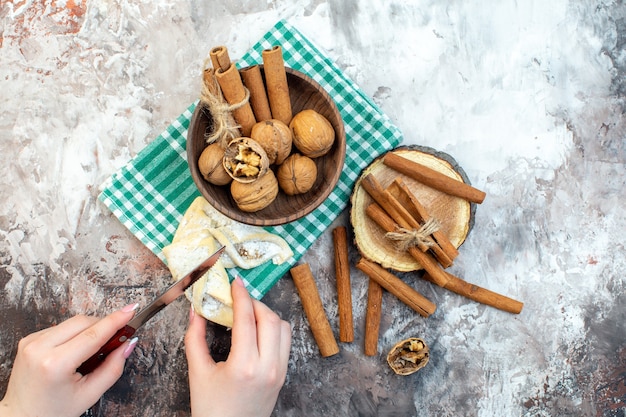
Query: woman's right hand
[248,382]
[44,380]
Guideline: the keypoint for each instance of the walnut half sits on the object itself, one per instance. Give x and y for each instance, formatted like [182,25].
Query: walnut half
[408,356]
[245,160]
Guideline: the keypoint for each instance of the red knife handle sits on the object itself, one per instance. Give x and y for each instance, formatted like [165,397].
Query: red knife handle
[116,341]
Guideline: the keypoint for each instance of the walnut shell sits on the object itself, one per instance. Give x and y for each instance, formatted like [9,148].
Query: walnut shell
[313,134]
[245,160]
[408,356]
[275,138]
[297,174]
[254,196]
[211,166]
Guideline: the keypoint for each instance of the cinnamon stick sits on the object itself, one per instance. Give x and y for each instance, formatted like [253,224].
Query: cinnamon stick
[253,80]
[397,287]
[432,178]
[372,317]
[210,82]
[481,295]
[235,94]
[344,289]
[314,310]
[440,277]
[409,200]
[277,87]
[219,58]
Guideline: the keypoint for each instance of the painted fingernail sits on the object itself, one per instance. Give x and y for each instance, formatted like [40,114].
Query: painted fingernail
[239,281]
[130,307]
[192,313]
[131,346]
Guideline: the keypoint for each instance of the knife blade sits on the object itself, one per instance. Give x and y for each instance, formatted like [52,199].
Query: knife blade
[170,294]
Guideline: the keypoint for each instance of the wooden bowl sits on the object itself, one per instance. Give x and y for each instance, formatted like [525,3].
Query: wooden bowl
[304,93]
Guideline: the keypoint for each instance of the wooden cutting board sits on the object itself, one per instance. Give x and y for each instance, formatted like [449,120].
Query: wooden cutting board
[455,214]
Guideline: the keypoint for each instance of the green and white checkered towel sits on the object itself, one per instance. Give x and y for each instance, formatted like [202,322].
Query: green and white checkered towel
[153,191]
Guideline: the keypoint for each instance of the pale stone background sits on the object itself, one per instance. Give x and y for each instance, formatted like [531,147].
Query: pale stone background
[528,97]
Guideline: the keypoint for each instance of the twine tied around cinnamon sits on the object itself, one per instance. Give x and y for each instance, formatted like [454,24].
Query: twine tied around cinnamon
[224,126]
[406,238]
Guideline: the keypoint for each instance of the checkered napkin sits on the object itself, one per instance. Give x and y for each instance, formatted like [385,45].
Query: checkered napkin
[153,191]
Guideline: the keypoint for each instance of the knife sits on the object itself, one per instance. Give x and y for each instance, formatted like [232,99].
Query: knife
[169,295]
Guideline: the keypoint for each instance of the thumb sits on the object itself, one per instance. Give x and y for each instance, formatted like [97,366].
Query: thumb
[196,347]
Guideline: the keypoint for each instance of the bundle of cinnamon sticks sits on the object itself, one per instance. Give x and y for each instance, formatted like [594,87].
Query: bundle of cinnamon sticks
[407,222]
[399,212]
[251,98]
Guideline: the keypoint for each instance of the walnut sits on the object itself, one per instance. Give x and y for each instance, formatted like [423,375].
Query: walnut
[211,166]
[408,356]
[297,174]
[275,138]
[313,134]
[255,196]
[245,160]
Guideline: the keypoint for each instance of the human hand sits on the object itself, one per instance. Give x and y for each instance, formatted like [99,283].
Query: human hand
[44,380]
[248,382]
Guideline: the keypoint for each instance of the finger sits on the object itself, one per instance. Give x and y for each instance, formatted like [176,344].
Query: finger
[87,342]
[64,331]
[274,339]
[268,326]
[285,346]
[106,374]
[196,348]
[244,333]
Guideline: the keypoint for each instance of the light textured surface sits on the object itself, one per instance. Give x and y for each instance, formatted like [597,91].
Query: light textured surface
[528,97]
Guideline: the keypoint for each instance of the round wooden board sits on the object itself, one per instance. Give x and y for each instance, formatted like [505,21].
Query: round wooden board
[455,214]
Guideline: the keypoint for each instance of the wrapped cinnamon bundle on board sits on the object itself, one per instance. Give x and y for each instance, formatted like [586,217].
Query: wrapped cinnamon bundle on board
[389,214]
[453,215]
